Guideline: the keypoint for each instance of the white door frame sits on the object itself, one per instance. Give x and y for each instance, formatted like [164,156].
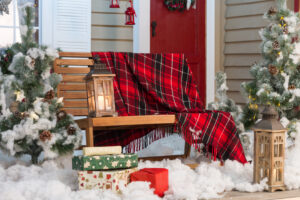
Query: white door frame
[141,39]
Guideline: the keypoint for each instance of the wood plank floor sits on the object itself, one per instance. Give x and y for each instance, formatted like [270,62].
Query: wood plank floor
[287,195]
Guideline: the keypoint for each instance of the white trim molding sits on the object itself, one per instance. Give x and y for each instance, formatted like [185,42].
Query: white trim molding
[141,30]
[210,51]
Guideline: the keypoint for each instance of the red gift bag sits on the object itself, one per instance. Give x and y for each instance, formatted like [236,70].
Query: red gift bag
[158,177]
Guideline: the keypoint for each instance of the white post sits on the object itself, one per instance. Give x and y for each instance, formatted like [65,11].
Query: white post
[210,51]
[141,30]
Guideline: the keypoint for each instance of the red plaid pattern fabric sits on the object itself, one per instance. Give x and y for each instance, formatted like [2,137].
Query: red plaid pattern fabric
[148,84]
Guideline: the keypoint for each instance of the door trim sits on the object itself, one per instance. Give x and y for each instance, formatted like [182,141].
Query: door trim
[141,39]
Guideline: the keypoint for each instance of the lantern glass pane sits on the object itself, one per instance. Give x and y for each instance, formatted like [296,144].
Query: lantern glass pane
[100,95]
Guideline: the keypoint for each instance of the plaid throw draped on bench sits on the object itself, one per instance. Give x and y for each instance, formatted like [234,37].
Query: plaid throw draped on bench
[148,84]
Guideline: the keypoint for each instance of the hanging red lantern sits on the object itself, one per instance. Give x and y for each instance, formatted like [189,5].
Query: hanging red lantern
[114,4]
[130,14]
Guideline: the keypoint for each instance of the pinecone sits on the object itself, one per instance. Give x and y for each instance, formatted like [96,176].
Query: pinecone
[20,115]
[273,70]
[272,11]
[49,96]
[292,87]
[295,39]
[71,130]
[285,30]
[275,45]
[14,107]
[61,115]
[45,135]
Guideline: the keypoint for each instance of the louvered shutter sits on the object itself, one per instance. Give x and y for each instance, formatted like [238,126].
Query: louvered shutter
[69,28]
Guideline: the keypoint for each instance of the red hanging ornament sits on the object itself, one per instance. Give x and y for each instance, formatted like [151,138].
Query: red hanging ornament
[114,4]
[130,14]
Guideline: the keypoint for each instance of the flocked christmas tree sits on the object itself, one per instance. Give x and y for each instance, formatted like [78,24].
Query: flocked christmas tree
[32,121]
[224,103]
[276,79]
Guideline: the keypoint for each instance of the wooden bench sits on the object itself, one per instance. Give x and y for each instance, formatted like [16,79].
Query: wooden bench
[73,68]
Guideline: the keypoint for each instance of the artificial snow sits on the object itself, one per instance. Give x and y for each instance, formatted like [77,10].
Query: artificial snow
[55,179]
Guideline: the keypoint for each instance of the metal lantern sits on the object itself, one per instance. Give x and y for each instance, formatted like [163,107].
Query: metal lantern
[130,14]
[269,146]
[100,91]
[114,4]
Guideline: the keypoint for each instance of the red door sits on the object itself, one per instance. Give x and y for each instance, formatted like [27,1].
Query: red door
[181,32]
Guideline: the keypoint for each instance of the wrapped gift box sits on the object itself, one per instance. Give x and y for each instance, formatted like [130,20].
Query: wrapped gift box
[105,180]
[158,177]
[97,151]
[105,162]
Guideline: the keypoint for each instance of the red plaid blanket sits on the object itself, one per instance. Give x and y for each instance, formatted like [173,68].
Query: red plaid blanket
[148,84]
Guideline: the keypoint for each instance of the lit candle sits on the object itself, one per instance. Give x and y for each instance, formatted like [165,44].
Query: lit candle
[101,102]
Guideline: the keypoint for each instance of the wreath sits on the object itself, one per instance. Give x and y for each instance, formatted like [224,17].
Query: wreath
[180,5]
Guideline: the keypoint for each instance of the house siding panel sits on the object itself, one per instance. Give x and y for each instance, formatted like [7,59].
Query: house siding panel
[244,19]
[108,31]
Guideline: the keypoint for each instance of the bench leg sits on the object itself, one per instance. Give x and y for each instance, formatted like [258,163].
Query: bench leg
[187,150]
[89,136]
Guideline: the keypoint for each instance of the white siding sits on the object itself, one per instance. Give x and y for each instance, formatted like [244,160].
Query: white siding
[109,32]
[242,41]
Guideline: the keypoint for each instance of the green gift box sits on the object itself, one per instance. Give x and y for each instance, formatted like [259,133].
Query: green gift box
[105,162]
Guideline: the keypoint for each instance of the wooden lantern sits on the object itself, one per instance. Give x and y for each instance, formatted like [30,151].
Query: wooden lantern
[269,146]
[100,91]
[130,14]
[114,4]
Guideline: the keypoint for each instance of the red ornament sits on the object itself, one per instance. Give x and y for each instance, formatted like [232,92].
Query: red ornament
[114,4]
[130,14]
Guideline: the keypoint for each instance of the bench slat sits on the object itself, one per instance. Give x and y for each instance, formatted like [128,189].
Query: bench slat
[75,54]
[75,104]
[74,87]
[74,62]
[72,70]
[77,111]
[72,78]
[73,95]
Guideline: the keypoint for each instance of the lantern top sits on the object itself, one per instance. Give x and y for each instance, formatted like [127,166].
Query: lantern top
[98,69]
[269,120]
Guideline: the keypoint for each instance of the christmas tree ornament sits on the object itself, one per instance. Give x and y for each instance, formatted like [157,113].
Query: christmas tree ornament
[272,11]
[130,14]
[4,6]
[282,22]
[275,45]
[45,135]
[269,150]
[71,130]
[273,70]
[114,4]
[20,115]
[61,115]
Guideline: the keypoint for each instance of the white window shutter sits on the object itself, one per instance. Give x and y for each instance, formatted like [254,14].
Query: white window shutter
[71,25]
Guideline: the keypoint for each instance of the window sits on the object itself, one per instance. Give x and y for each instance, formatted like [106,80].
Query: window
[10,23]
